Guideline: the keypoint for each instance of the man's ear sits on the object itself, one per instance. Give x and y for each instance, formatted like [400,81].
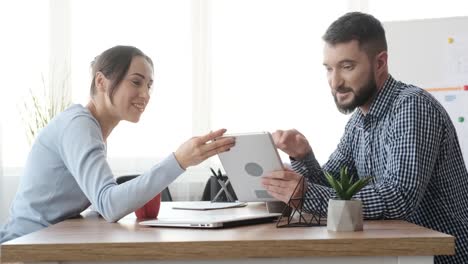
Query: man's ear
[100,81]
[381,62]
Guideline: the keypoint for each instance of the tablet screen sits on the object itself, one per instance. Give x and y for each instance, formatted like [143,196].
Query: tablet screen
[253,156]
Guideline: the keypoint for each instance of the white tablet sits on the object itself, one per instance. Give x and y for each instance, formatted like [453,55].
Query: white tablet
[253,156]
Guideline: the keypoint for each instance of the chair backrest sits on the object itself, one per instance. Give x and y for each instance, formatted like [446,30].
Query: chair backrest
[165,194]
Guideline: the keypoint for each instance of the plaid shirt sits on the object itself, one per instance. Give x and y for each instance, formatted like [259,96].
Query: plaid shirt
[408,143]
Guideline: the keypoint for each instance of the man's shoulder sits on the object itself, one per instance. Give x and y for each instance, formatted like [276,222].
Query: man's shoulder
[418,100]
[413,94]
[409,91]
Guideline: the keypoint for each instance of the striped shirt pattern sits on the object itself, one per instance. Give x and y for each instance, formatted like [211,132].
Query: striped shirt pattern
[409,144]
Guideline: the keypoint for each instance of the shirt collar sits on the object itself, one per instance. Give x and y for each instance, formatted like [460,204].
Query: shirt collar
[383,99]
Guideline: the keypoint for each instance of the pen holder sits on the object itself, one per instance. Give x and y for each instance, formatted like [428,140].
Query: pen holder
[228,194]
[215,192]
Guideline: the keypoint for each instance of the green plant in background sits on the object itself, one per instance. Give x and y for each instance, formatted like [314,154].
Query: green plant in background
[39,107]
[345,187]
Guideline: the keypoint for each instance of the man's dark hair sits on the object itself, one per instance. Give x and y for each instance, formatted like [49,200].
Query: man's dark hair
[113,64]
[364,28]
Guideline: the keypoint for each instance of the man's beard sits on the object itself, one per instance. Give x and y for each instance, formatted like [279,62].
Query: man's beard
[360,97]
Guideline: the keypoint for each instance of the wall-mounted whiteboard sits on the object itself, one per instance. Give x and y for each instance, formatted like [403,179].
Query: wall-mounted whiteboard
[433,54]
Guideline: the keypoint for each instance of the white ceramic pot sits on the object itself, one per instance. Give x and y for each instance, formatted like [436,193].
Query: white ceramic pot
[344,215]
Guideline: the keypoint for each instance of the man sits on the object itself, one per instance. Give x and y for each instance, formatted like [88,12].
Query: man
[398,133]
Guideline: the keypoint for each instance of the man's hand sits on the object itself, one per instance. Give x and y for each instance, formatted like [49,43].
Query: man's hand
[197,149]
[292,142]
[281,185]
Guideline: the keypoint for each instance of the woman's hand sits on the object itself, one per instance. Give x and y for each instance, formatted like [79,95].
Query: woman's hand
[292,142]
[198,149]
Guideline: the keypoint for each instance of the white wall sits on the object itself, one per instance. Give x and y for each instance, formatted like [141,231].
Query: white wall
[434,62]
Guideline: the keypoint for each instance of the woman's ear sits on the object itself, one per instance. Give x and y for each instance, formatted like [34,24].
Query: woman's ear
[100,81]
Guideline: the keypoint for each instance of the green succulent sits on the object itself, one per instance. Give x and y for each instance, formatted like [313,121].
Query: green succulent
[345,187]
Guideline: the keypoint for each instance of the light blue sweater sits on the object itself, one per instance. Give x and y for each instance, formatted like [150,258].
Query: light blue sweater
[66,171]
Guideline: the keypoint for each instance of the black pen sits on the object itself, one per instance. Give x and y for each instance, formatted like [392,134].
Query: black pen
[214,173]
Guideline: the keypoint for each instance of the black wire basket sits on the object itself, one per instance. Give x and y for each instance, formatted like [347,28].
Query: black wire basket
[303,211]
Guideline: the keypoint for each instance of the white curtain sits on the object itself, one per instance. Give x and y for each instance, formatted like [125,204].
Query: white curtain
[24,46]
[1,177]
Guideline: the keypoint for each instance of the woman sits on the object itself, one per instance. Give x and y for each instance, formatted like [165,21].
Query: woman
[66,170]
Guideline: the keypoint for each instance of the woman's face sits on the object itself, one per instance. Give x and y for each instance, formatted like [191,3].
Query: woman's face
[133,93]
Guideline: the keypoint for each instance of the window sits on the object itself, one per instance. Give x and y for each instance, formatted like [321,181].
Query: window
[267,70]
[246,65]
[161,29]
[24,66]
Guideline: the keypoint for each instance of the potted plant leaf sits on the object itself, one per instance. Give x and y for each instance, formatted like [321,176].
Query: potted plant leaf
[41,105]
[345,213]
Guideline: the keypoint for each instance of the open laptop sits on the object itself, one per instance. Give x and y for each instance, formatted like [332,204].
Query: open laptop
[213,221]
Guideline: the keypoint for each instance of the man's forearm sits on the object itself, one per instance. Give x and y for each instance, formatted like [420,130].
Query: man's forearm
[309,168]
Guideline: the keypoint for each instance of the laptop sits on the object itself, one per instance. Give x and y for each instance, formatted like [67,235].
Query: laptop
[213,221]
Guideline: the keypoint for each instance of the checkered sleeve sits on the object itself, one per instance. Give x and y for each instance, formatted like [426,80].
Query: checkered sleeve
[318,190]
[309,168]
[342,156]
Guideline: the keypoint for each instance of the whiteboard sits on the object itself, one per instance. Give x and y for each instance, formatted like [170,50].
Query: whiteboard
[433,54]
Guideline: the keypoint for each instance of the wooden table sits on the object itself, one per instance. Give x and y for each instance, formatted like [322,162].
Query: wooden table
[91,239]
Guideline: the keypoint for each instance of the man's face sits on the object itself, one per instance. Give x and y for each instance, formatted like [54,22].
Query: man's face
[350,76]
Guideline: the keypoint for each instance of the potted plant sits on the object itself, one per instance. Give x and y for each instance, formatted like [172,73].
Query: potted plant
[345,213]
[41,105]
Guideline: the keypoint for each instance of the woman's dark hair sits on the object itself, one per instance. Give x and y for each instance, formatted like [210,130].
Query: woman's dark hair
[113,64]
[364,28]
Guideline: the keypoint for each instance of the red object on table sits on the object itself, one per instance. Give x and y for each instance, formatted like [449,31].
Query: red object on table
[150,209]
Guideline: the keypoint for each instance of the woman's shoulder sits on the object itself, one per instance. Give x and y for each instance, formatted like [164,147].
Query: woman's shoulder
[73,117]
[76,112]
[71,122]
[75,123]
